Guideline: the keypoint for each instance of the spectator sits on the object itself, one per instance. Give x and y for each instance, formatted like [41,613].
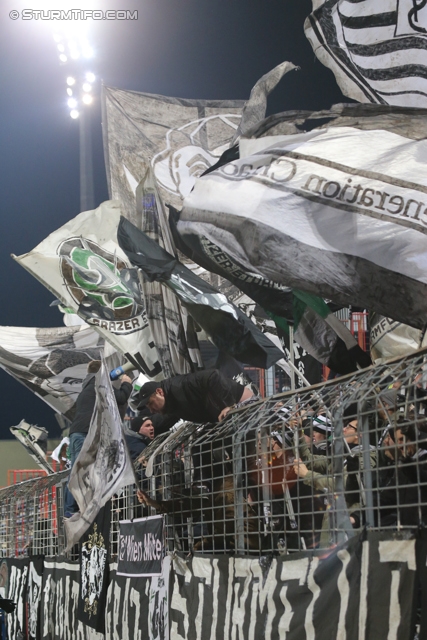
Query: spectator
[322,430]
[205,396]
[79,428]
[140,435]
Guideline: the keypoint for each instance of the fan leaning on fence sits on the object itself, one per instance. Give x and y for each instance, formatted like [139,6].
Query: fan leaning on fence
[205,396]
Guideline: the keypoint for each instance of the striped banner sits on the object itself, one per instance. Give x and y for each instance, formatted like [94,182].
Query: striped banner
[377,49]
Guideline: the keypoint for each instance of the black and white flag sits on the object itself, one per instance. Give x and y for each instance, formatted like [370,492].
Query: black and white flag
[103,465]
[94,554]
[362,589]
[377,49]
[179,138]
[52,363]
[389,339]
[339,212]
[230,329]
[81,263]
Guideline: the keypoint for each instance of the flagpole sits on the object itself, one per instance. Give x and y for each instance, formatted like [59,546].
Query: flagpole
[291,357]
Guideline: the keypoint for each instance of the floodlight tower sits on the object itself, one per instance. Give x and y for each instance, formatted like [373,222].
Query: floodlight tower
[74,52]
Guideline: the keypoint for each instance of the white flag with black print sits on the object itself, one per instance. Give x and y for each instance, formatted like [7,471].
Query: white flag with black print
[340,212]
[84,267]
[377,49]
[51,362]
[103,465]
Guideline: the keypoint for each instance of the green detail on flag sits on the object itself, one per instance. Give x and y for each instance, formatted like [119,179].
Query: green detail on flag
[317,304]
[100,279]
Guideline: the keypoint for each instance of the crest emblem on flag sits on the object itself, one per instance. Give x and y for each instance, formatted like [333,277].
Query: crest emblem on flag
[184,158]
[101,284]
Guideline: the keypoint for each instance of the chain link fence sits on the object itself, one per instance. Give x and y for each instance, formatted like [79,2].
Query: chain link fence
[302,470]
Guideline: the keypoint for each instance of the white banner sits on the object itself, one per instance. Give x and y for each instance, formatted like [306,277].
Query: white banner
[82,264]
[103,465]
[339,212]
[52,362]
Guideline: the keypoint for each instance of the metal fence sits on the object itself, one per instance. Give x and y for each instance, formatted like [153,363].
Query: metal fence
[296,471]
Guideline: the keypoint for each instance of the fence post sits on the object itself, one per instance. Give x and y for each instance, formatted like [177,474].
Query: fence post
[363,421]
[343,524]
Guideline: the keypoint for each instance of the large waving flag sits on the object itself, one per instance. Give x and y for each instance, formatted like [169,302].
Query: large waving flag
[103,465]
[83,266]
[377,49]
[316,329]
[178,138]
[229,328]
[339,212]
[51,362]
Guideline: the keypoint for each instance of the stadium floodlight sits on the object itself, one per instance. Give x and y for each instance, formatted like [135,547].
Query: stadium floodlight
[90,77]
[61,48]
[69,91]
[87,99]
[74,114]
[87,87]
[72,103]
[57,37]
[88,52]
[71,81]
[63,57]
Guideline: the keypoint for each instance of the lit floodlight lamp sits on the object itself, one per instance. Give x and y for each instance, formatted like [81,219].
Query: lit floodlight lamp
[61,48]
[87,99]
[71,81]
[74,114]
[87,87]
[75,55]
[90,77]
[72,103]
[63,57]
[88,52]
[57,37]
[69,91]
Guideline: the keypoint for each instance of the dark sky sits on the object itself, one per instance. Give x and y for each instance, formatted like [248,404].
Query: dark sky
[210,49]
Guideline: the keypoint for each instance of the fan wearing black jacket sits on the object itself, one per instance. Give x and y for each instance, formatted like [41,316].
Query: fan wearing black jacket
[205,396]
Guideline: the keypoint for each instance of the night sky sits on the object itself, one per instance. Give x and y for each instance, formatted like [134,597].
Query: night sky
[207,49]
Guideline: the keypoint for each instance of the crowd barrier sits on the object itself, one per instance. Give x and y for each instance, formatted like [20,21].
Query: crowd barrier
[294,506]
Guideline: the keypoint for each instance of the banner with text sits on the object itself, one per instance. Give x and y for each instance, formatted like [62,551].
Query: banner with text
[141,547]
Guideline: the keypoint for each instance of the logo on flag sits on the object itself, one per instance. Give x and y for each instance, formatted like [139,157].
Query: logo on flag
[377,50]
[101,284]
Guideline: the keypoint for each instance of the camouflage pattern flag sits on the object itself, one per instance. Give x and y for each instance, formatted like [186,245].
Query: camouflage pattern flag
[103,465]
[83,266]
[52,362]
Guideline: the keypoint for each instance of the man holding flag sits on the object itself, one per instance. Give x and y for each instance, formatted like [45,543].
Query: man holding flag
[103,465]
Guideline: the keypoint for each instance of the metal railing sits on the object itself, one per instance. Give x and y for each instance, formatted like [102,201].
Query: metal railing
[296,471]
